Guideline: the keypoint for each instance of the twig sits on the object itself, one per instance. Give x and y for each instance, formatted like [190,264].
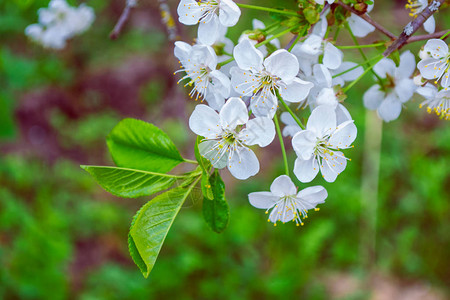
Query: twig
[368,20]
[123,19]
[413,26]
[427,36]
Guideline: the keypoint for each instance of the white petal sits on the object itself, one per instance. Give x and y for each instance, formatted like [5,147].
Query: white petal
[431,68]
[306,170]
[437,48]
[327,96]
[264,104]
[283,186]
[204,121]
[282,64]
[312,45]
[359,27]
[322,120]
[390,108]
[445,81]
[373,97]
[263,200]
[344,135]
[203,55]
[208,32]
[182,51]
[342,114]
[312,196]
[332,165]
[405,89]
[233,113]
[215,100]
[243,81]
[257,24]
[211,150]
[189,12]
[407,65]
[320,28]
[296,91]
[247,56]
[385,66]
[229,13]
[322,75]
[303,143]
[332,56]
[258,131]
[243,164]
[220,83]
[430,25]
[429,91]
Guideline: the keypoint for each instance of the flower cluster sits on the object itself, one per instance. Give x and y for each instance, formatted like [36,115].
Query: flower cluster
[60,22]
[244,86]
[435,66]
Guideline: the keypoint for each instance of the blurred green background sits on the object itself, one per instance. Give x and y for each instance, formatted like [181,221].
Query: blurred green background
[63,237]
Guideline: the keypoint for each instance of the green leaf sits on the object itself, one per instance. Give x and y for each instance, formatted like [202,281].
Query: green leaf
[139,145]
[205,165]
[151,225]
[130,183]
[216,212]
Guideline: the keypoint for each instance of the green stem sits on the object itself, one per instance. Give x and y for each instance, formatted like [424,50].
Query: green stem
[299,36]
[190,161]
[271,27]
[360,46]
[278,11]
[276,36]
[336,34]
[283,149]
[369,68]
[357,66]
[297,120]
[445,35]
[355,40]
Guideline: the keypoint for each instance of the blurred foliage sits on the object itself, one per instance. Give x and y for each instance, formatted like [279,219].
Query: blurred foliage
[62,237]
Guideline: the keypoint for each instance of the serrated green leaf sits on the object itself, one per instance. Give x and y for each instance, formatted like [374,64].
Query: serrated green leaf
[151,225]
[139,145]
[216,211]
[130,183]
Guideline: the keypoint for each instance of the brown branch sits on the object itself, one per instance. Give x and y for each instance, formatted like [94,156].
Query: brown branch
[122,20]
[368,19]
[435,35]
[413,26]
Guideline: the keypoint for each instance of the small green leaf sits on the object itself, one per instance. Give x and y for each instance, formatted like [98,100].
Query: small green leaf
[139,145]
[205,165]
[130,183]
[216,212]
[151,225]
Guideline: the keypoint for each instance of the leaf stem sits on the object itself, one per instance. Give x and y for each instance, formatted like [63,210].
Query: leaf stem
[283,149]
[297,120]
[362,75]
[278,11]
[190,161]
[360,46]
[445,35]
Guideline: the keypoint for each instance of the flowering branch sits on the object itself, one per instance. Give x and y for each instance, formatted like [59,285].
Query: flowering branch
[123,19]
[368,20]
[428,36]
[413,26]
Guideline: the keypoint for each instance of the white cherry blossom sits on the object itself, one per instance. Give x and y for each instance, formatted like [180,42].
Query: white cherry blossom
[437,102]
[437,66]
[286,203]
[317,147]
[228,135]
[210,15]
[399,88]
[262,79]
[416,7]
[60,22]
[200,62]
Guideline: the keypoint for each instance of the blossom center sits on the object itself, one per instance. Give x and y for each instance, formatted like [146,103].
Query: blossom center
[415,7]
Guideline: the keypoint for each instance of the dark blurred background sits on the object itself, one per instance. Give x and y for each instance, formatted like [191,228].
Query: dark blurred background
[63,237]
